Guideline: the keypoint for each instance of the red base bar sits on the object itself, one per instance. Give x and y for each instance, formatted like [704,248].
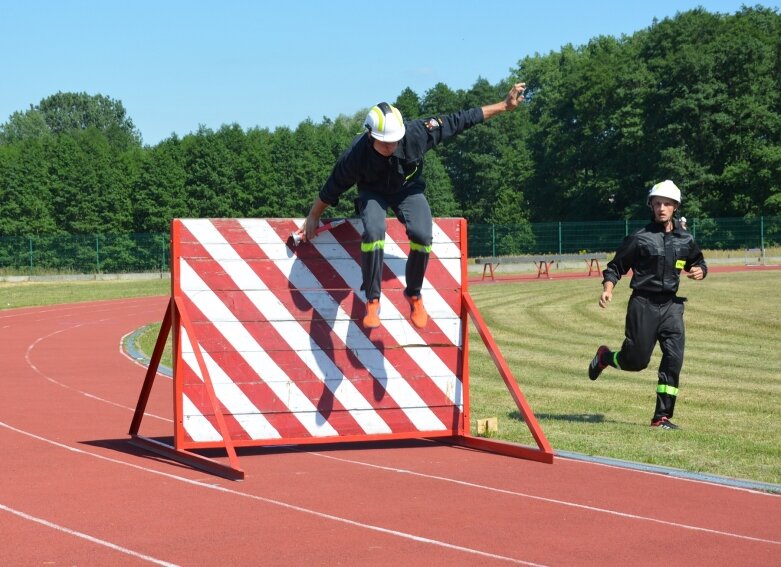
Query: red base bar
[187,458]
[500,448]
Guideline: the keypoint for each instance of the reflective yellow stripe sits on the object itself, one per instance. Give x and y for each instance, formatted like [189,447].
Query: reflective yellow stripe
[411,174]
[615,360]
[380,118]
[664,389]
[372,246]
[420,248]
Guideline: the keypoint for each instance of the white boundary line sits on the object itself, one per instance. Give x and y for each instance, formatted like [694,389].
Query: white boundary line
[88,537]
[550,500]
[273,502]
[32,365]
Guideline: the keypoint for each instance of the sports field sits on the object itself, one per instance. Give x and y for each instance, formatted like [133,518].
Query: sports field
[548,331]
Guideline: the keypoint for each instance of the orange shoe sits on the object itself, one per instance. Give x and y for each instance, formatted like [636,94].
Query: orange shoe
[372,318]
[418,314]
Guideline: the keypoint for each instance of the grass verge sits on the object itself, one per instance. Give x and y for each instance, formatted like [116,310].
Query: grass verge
[730,384]
[32,294]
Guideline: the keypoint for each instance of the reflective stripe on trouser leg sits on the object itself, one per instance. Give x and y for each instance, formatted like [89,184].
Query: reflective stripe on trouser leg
[372,210]
[672,341]
[416,267]
[372,260]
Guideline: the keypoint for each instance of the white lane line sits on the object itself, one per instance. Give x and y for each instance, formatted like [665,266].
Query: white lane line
[32,365]
[545,499]
[281,504]
[88,537]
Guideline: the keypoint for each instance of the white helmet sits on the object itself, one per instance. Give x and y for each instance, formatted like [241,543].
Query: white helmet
[385,123]
[665,189]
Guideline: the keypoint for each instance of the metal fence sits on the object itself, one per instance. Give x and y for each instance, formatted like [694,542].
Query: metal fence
[605,236]
[85,254]
[91,254]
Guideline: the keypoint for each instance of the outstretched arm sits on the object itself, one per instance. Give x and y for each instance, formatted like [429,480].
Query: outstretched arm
[510,102]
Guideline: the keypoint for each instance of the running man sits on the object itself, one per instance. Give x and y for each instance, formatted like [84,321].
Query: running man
[656,255]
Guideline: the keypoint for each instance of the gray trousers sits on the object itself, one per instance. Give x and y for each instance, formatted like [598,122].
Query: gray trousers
[412,209]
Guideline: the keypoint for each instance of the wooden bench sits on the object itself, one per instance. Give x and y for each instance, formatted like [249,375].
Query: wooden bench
[543,267]
[593,266]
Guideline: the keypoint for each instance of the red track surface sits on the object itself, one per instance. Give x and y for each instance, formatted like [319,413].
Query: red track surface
[74,492]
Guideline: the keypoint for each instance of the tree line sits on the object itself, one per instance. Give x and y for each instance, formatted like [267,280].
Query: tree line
[695,98]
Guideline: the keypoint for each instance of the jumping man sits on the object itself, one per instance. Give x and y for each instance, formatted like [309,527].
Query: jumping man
[386,165]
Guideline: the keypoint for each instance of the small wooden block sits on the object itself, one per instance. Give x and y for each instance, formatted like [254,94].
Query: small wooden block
[487,425]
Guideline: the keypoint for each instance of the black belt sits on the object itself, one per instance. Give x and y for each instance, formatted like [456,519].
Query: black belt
[658,297]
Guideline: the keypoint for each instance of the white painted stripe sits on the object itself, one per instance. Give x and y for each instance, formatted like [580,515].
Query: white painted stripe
[426,358]
[232,397]
[82,535]
[350,333]
[444,247]
[397,265]
[318,362]
[195,423]
[401,329]
[431,296]
[246,346]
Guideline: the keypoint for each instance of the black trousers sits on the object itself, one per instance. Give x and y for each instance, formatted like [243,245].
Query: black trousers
[648,320]
[412,209]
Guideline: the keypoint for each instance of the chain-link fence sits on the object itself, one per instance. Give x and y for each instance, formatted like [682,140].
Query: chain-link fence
[605,236]
[85,254]
[125,253]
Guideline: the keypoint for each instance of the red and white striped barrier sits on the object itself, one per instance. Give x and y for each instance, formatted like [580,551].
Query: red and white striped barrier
[269,347]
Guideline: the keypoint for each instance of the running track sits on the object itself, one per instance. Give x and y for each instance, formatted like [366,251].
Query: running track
[74,492]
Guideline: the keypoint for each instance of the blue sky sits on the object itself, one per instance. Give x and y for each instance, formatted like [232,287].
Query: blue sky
[178,64]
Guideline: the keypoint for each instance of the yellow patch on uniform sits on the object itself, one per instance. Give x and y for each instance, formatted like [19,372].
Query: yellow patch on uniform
[679,264]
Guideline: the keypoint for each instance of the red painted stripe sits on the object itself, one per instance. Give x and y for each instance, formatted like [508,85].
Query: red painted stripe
[286,360]
[390,283]
[398,357]
[251,384]
[436,273]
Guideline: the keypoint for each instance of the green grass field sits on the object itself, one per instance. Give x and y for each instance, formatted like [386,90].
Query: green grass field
[730,385]
[548,331]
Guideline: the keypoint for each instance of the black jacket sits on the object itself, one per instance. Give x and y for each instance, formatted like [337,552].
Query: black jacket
[656,259]
[361,165]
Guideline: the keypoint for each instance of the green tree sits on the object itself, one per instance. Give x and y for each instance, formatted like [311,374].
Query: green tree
[68,112]
[160,191]
[439,189]
[25,200]
[21,126]
[408,104]
[212,173]
[90,184]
